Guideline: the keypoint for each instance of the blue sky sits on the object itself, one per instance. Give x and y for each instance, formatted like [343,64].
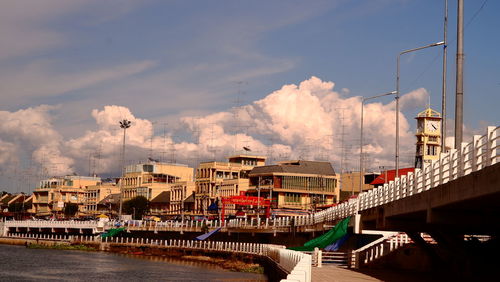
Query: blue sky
[168,61]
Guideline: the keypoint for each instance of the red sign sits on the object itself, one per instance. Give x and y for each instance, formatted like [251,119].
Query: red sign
[246,201]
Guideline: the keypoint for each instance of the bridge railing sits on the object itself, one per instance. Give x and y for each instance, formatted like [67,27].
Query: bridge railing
[481,152]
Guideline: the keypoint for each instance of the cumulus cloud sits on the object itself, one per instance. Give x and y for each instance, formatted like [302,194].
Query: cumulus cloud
[29,134]
[297,121]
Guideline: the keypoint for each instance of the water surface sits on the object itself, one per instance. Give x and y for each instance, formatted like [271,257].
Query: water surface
[18,263]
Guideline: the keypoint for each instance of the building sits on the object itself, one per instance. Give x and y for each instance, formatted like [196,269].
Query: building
[95,196]
[428,137]
[300,185]
[160,204]
[52,194]
[221,179]
[151,179]
[17,205]
[179,194]
[349,183]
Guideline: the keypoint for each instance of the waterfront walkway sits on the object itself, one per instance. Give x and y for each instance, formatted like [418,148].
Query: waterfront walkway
[332,273]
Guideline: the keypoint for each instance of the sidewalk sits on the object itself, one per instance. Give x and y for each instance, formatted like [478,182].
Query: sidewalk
[339,274]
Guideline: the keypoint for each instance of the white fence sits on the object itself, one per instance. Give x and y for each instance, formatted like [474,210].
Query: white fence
[297,264]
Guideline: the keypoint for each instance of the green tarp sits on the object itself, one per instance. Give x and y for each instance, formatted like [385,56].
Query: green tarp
[337,232]
[112,232]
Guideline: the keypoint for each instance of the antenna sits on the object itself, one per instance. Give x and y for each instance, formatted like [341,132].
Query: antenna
[238,105]
[211,147]
[151,140]
[172,149]
[164,152]
[270,151]
[341,117]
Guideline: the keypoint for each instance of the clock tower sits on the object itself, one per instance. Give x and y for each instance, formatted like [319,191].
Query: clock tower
[428,137]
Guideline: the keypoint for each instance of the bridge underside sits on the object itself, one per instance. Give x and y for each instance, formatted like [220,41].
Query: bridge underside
[468,205]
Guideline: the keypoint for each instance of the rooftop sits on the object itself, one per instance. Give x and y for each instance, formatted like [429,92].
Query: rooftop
[296,166]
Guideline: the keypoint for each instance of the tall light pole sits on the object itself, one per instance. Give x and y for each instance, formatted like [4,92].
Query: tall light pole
[397,97]
[443,90]
[361,166]
[459,88]
[123,124]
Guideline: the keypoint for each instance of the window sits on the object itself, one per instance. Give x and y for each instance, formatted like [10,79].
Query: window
[292,198]
[147,168]
[432,150]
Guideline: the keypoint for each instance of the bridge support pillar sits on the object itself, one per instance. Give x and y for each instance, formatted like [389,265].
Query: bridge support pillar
[357,224]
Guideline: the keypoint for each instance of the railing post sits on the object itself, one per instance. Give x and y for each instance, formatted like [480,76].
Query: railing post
[490,143]
[475,152]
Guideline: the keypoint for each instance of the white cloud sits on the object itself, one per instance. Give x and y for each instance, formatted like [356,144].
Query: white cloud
[295,121]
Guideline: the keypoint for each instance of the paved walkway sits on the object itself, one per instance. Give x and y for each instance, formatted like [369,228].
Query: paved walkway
[339,274]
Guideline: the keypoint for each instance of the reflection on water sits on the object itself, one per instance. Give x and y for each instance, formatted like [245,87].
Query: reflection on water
[21,264]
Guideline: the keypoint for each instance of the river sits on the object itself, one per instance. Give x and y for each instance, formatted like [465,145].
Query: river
[18,263]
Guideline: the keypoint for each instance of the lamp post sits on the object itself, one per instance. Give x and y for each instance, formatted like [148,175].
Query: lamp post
[397,97]
[361,166]
[123,124]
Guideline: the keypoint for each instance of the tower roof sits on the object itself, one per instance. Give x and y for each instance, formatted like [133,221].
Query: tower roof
[429,113]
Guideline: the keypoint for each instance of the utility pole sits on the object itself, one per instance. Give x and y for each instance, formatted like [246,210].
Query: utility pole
[459,92]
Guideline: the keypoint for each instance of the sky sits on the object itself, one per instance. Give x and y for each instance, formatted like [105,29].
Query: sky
[200,80]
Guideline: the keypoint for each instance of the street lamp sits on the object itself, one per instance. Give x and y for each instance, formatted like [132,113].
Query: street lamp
[397,97]
[123,124]
[361,167]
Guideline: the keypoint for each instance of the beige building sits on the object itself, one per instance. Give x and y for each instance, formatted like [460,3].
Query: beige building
[349,183]
[150,179]
[301,185]
[53,193]
[221,179]
[179,193]
[428,137]
[95,194]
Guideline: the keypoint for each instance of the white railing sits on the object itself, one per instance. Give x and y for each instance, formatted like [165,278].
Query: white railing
[378,249]
[51,224]
[481,152]
[297,264]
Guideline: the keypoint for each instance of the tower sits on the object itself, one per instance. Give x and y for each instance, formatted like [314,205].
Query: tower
[428,137]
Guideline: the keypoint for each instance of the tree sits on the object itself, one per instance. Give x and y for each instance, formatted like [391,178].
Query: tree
[137,207]
[70,209]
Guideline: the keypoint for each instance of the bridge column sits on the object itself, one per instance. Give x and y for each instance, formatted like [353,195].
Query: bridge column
[357,224]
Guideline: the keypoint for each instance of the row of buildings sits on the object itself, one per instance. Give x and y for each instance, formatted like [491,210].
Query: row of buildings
[174,189]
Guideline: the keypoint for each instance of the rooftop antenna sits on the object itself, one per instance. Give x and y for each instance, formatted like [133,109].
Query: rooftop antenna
[164,152]
[211,147]
[172,149]
[343,154]
[150,156]
[238,105]
[270,151]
